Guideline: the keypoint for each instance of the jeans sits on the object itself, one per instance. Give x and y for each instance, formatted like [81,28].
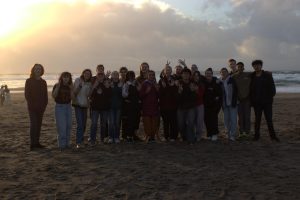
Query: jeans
[230,120]
[170,124]
[35,127]
[114,123]
[199,120]
[63,117]
[268,112]
[244,113]
[104,115]
[81,118]
[186,119]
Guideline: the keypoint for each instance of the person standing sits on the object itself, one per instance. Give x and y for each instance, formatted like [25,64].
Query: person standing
[243,81]
[116,108]
[212,105]
[232,66]
[100,106]
[63,93]
[82,90]
[199,118]
[36,95]
[168,101]
[131,106]
[262,91]
[150,108]
[229,104]
[187,100]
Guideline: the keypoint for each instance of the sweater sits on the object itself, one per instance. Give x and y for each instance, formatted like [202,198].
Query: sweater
[36,94]
[149,100]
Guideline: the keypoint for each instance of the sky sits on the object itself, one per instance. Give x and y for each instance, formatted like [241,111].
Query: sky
[71,35]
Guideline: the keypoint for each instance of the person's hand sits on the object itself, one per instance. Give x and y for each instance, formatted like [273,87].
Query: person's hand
[156,86]
[182,62]
[171,82]
[107,83]
[108,73]
[180,89]
[148,89]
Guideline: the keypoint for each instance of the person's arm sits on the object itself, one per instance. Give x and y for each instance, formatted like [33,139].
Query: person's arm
[273,87]
[55,90]
[145,89]
[27,91]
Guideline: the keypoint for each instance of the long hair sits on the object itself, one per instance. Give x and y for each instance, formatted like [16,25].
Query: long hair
[86,70]
[65,74]
[144,63]
[33,68]
[130,75]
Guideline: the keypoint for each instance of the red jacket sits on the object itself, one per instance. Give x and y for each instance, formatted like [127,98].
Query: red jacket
[149,100]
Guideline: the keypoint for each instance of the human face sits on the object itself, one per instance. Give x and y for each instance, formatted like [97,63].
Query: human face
[232,66]
[208,75]
[123,74]
[87,75]
[178,70]
[100,69]
[66,80]
[257,68]
[224,74]
[196,77]
[151,76]
[185,76]
[168,71]
[194,68]
[144,68]
[240,68]
[37,71]
[115,76]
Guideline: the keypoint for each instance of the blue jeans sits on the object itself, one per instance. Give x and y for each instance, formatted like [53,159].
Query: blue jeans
[114,123]
[186,120]
[63,116]
[104,115]
[81,117]
[230,120]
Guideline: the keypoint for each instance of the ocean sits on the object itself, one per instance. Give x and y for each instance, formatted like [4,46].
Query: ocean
[286,82]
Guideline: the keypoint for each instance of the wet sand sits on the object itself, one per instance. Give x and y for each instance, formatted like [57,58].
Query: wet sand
[206,170]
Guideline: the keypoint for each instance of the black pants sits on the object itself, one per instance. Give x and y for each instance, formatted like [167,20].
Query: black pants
[170,124]
[130,120]
[211,120]
[268,112]
[35,127]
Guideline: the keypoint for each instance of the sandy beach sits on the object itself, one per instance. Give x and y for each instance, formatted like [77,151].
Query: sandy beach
[206,170]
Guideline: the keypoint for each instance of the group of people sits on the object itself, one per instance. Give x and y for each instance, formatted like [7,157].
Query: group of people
[4,95]
[187,101]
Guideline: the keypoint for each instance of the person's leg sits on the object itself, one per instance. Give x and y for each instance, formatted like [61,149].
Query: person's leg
[68,108]
[268,112]
[111,130]
[33,128]
[226,114]
[181,119]
[79,114]
[166,123]
[241,120]
[258,114]
[208,117]
[61,123]
[147,126]
[117,125]
[173,124]
[233,122]
[247,116]
[103,124]
[190,124]
[94,123]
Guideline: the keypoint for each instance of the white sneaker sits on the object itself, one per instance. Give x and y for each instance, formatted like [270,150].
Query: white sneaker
[117,140]
[232,138]
[214,138]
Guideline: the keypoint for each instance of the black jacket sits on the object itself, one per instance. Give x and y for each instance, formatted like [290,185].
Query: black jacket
[262,89]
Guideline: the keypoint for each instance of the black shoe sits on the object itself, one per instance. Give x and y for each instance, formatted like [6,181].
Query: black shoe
[274,138]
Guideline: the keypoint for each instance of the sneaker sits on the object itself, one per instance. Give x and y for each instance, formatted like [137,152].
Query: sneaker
[78,146]
[172,140]
[232,138]
[117,140]
[40,146]
[214,138]
[256,137]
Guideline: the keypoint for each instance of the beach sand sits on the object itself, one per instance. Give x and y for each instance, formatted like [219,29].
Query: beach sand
[206,170]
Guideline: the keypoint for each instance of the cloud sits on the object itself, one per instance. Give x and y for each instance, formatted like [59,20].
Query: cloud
[81,35]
